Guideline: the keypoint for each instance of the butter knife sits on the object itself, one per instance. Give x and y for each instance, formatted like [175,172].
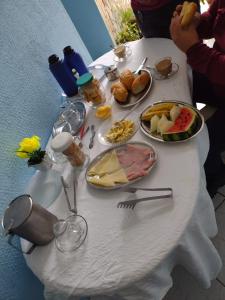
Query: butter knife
[141,65]
[91,144]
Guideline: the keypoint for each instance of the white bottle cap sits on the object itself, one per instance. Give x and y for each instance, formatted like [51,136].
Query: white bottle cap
[61,141]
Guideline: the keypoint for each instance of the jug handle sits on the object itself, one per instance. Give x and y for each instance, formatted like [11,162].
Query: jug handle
[10,239]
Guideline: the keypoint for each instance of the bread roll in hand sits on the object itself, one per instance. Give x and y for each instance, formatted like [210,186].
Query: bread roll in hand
[127,77]
[140,83]
[119,92]
[187,13]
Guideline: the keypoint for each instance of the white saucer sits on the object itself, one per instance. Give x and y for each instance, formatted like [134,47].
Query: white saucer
[158,76]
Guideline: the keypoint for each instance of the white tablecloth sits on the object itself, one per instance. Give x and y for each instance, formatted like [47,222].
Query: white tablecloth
[129,254]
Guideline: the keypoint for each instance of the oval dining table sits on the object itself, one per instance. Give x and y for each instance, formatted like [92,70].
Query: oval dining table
[130,254]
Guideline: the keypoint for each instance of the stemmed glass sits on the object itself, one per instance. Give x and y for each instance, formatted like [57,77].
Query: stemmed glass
[70,233]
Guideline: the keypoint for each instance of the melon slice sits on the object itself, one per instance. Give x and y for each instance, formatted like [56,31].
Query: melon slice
[164,124]
[183,127]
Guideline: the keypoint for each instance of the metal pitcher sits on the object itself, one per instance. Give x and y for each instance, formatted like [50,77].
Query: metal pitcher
[28,220]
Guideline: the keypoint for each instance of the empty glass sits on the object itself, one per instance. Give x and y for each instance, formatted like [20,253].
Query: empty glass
[70,233]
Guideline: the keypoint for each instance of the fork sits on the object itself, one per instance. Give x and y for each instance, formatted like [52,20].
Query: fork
[132,203]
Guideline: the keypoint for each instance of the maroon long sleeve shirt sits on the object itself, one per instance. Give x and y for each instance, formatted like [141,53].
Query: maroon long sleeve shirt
[211,61]
[148,4]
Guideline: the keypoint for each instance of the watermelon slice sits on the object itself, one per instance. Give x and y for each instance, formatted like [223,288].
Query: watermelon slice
[184,126]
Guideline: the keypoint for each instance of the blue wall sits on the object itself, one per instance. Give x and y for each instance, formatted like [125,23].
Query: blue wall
[89,23]
[29,97]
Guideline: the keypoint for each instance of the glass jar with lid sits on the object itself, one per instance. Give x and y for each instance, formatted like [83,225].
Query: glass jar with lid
[91,89]
[65,143]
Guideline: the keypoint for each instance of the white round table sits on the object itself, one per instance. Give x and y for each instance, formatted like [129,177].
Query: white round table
[130,253]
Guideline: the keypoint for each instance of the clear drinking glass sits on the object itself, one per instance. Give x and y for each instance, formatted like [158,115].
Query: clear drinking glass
[70,233]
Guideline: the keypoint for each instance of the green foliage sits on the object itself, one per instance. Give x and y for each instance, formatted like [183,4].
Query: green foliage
[36,157]
[129,29]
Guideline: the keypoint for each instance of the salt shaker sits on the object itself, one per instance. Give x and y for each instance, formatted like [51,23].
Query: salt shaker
[64,142]
[111,72]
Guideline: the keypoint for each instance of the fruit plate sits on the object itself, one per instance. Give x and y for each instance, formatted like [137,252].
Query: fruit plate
[132,99]
[107,125]
[136,159]
[145,125]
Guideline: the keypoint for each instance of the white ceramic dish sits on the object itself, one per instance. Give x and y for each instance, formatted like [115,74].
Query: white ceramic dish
[107,124]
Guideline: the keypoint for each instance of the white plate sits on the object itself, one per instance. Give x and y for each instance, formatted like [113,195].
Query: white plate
[107,124]
[153,156]
[145,126]
[134,99]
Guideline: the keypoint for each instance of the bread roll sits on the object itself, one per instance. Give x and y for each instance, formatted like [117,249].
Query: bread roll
[187,13]
[127,77]
[140,83]
[119,92]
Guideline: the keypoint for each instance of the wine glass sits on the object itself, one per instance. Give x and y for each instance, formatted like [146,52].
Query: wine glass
[70,233]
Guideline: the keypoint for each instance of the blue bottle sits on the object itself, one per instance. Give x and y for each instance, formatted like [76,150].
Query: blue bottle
[74,61]
[63,75]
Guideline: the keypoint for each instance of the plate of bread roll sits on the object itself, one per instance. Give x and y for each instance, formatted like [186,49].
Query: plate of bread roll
[131,88]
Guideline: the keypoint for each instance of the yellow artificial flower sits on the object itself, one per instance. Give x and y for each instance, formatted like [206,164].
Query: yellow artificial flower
[30,144]
[21,154]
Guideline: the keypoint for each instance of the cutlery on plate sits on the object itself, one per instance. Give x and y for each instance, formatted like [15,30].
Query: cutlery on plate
[91,143]
[141,65]
[132,203]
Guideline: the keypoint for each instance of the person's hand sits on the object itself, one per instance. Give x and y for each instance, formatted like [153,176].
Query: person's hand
[184,38]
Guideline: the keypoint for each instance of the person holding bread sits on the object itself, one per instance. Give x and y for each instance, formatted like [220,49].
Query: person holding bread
[208,65]
[153,16]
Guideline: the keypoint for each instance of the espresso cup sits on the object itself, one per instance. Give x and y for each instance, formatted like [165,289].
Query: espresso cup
[164,66]
[120,51]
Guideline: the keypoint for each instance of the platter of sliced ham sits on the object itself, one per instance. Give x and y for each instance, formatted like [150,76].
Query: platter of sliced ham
[121,165]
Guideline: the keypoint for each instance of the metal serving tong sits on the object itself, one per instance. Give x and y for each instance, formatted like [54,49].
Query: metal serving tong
[132,203]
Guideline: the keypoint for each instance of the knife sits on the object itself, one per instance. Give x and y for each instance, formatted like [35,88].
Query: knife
[141,65]
[91,144]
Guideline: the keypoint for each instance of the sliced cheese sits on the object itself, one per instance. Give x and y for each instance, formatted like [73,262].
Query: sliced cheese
[106,165]
[119,176]
[105,180]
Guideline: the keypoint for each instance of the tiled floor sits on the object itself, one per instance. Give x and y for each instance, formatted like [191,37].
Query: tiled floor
[185,287]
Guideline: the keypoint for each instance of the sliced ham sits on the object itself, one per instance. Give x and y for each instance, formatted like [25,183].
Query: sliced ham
[132,154]
[136,160]
[138,169]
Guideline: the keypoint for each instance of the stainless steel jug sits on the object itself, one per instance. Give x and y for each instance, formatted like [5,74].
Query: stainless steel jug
[28,220]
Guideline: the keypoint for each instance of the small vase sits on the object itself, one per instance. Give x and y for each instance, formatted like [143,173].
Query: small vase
[45,185]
